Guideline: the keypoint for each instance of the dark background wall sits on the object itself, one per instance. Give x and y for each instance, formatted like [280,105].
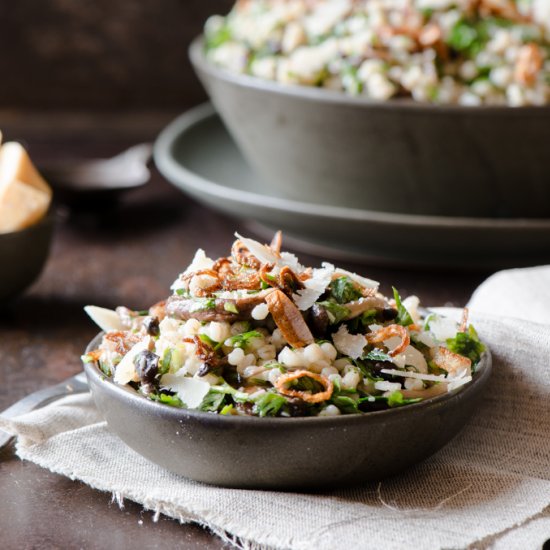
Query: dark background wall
[100,54]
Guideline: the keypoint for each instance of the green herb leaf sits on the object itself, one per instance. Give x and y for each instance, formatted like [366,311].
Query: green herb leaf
[171,400]
[344,290]
[403,316]
[227,410]
[346,404]
[269,404]
[164,366]
[87,359]
[231,307]
[243,339]
[336,312]
[219,37]
[396,399]
[467,344]
[377,355]
[213,400]
[205,339]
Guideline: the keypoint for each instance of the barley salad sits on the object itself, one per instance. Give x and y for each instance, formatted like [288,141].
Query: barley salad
[257,333]
[467,52]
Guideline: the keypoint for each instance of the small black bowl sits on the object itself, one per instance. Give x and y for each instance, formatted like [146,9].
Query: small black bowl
[23,255]
[284,453]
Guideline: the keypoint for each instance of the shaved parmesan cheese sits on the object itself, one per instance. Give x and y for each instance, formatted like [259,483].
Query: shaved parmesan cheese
[290,260]
[458,382]
[410,357]
[383,385]
[105,319]
[200,261]
[417,375]
[314,287]
[349,344]
[263,252]
[125,371]
[191,391]
[411,303]
[367,283]
[443,328]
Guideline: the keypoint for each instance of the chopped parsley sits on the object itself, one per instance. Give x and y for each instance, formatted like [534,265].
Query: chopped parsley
[171,400]
[269,404]
[243,339]
[231,307]
[467,344]
[344,290]
[403,316]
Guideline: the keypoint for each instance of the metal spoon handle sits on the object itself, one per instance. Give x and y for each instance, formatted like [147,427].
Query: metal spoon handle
[40,398]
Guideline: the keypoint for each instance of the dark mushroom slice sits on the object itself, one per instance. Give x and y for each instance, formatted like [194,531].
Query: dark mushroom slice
[224,309]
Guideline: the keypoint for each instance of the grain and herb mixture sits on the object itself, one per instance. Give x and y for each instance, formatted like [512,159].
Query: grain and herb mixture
[257,333]
[468,52]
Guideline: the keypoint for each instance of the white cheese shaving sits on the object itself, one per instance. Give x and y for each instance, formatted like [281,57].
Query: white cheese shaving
[349,344]
[411,303]
[125,371]
[314,287]
[106,319]
[200,261]
[263,252]
[190,390]
[383,385]
[443,328]
[290,260]
[417,375]
[458,382]
[410,356]
[367,283]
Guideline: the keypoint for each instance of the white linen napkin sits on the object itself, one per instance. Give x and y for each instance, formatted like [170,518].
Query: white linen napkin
[488,488]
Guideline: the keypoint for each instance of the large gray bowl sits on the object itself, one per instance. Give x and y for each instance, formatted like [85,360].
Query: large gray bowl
[284,453]
[22,256]
[315,145]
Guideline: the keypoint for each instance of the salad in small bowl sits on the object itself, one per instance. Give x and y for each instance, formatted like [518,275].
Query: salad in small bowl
[255,347]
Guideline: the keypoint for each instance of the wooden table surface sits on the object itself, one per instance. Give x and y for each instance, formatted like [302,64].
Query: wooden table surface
[126,253]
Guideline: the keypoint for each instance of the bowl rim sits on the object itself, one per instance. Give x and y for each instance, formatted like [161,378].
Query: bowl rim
[321,95]
[93,372]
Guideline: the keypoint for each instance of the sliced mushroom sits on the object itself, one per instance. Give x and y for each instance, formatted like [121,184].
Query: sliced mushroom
[223,310]
[289,319]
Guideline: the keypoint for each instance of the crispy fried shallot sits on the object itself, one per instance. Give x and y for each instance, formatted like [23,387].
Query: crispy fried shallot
[289,319]
[276,242]
[451,362]
[386,333]
[307,396]
[464,323]
[158,310]
[528,65]
[120,341]
[243,256]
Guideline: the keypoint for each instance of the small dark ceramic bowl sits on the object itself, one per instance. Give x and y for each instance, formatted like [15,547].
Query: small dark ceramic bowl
[284,453]
[316,145]
[23,255]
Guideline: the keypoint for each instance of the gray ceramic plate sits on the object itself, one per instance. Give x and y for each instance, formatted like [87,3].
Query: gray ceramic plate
[284,453]
[196,154]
